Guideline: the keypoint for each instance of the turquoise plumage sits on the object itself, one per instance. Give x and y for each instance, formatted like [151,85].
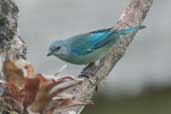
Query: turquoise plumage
[89,47]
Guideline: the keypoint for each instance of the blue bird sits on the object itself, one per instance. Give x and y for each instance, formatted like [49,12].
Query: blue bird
[89,47]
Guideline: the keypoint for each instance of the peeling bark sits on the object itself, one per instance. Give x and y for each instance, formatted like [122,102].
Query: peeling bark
[12,47]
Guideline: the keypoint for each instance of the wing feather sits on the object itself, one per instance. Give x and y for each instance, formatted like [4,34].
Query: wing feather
[86,43]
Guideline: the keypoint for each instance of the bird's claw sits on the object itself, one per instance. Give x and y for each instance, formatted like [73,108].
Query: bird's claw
[88,74]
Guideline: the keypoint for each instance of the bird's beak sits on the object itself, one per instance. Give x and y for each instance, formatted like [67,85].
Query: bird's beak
[50,53]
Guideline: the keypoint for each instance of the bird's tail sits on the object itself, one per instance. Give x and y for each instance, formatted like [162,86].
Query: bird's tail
[131,29]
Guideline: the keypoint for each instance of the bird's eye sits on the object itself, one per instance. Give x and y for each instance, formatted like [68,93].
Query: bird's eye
[57,48]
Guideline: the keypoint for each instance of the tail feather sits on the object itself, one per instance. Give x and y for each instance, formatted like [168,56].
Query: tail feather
[131,29]
[114,35]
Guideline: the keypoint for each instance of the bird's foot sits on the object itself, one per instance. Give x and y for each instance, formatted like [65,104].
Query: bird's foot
[91,69]
[89,72]
[88,66]
[89,75]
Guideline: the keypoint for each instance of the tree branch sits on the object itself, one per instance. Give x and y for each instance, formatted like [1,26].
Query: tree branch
[133,15]
[13,48]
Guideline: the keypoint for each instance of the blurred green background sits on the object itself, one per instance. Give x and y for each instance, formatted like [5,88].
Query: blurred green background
[157,101]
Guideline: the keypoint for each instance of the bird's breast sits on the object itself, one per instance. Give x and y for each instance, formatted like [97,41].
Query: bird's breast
[81,59]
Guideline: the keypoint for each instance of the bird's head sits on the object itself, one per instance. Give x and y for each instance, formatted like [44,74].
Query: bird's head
[58,48]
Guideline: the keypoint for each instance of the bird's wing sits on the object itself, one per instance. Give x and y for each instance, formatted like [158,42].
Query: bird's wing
[86,43]
[104,38]
[101,37]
